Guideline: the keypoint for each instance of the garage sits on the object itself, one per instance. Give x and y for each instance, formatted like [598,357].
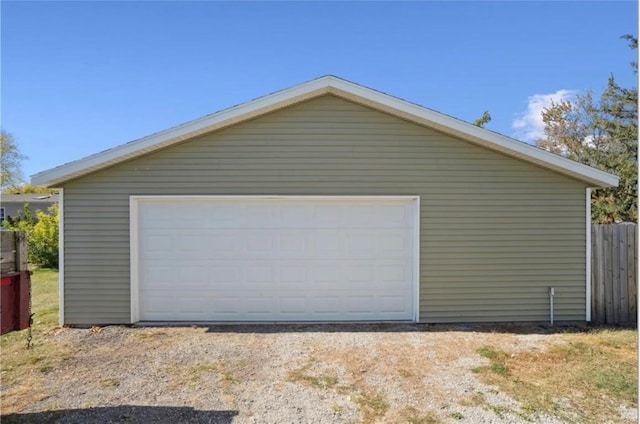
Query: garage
[274,258]
[303,205]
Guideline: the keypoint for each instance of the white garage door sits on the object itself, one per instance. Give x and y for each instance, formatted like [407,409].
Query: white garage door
[289,258]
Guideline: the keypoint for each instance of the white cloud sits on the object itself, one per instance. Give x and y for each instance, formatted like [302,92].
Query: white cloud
[528,125]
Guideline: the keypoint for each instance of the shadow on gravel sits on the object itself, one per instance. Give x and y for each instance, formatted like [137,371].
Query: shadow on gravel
[393,328]
[130,414]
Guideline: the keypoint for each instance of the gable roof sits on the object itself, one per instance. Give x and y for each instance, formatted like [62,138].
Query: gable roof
[322,86]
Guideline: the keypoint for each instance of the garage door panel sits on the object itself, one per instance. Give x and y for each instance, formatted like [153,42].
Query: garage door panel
[225,276]
[188,245]
[157,305]
[258,305]
[223,243]
[288,259]
[293,243]
[154,243]
[391,302]
[327,304]
[192,304]
[292,304]
[194,276]
[157,272]
[259,242]
[292,275]
[223,304]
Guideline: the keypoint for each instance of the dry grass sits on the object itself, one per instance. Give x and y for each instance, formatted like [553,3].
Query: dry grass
[353,371]
[23,369]
[585,378]
[372,405]
[109,382]
[413,416]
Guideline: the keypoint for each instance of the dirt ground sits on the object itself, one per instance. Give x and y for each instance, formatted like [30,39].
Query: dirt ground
[391,373]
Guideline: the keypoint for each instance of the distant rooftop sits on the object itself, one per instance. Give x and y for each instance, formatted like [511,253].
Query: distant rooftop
[30,198]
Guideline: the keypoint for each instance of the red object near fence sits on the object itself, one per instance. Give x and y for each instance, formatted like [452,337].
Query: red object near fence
[14,301]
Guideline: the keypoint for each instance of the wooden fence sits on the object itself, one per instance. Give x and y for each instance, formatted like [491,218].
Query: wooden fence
[614,271]
[13,252]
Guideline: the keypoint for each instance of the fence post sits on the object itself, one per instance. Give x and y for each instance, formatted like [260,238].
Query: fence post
[597,274]
[21,251]
[632,272]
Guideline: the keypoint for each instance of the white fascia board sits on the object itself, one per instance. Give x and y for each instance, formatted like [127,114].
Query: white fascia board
[481,136]
[337,86]
[181,132]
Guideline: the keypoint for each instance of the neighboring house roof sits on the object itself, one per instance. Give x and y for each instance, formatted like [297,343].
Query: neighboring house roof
[315,88]
[30,198]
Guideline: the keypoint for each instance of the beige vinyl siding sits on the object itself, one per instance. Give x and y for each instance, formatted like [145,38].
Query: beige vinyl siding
[495,232]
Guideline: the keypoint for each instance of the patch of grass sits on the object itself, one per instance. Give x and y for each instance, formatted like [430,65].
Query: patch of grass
[337,408]
[322,381]
[327,381]
[44,298]
[412,416]
[498,368]
[424,419]
[45,368]
[195,372]
[146,335]
[227,377]
[405,373]
[23,369]
[497,361]
[372,406]
[109,382]
[586,378]
[474,399]
[487,352]
[456,415]
[479,399]
[499,410]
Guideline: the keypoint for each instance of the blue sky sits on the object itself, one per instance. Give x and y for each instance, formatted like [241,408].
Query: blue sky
[81,77]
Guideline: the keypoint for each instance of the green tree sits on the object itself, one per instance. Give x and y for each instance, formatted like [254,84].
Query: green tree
[602,133]
[43,242]
[483,120]
[42,234]
[10,161]
[29,189]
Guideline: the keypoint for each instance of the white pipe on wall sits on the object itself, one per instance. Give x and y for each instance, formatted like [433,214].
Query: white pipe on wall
[551,295]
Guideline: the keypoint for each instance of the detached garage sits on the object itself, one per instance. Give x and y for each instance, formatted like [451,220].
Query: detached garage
[327,201]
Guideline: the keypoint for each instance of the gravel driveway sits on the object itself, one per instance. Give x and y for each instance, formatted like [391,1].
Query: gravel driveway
[277,374]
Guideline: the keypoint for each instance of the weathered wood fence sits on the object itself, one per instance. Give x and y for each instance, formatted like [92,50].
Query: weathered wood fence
[13,251]
[614,273]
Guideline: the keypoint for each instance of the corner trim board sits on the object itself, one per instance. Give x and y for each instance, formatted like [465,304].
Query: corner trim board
[61,317]
[588,255]
[416,261]
[133,259]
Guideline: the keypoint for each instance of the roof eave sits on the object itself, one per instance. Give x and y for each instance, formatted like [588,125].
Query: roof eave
[314,88]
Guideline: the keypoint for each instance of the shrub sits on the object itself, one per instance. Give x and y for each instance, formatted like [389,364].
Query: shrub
[42,235]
